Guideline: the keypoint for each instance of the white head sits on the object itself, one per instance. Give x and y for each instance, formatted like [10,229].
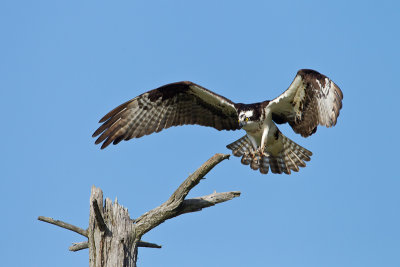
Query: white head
[245,118]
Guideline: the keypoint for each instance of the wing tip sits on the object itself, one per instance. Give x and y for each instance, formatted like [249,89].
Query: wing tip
[115,111]
[103,146]
[105,117]
[96,133]
[108,141]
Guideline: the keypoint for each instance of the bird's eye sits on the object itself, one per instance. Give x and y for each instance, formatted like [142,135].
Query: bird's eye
[247,119]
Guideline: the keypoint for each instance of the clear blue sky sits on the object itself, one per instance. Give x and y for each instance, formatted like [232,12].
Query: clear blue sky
[63,65]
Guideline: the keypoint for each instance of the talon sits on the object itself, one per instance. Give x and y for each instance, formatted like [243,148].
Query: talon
[255,156]
[260,150]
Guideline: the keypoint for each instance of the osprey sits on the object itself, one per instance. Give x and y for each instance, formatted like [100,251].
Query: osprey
[311,100]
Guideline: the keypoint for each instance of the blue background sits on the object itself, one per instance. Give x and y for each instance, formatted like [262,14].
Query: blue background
[64,64]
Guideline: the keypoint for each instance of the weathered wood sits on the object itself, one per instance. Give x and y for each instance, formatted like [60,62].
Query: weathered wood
[79,246]
[65,225]
[148,245]
[84,245]
[172,207]
[199,203]
[98,216]
[111,244]
[114,238]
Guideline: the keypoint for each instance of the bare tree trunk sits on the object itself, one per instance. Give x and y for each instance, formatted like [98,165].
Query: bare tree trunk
[111,233]
[114,238]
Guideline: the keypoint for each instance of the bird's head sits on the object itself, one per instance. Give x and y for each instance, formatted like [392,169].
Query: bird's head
[246,119]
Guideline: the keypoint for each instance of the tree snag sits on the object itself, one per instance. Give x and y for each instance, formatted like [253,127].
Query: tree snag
[114,238]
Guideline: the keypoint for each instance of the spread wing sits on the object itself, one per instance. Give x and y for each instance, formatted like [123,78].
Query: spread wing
[311,100]
[169,105]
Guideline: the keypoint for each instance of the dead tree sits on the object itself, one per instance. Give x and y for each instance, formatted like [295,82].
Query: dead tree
[114,238]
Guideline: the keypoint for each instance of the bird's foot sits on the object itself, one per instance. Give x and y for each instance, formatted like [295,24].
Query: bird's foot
[260,151]
[256,155]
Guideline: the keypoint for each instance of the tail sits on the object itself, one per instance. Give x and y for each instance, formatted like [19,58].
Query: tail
[290,157]
[244,148]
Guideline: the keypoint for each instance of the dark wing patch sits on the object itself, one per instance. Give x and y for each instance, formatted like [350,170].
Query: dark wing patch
[311,100]
[169,105]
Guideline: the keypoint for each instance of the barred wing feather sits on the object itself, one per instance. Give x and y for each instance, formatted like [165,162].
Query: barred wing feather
[311,100]
[169,105]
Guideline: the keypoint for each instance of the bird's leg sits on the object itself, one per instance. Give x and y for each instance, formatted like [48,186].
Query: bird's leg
[263,141]
[255,149]
[260,149]
[255,154]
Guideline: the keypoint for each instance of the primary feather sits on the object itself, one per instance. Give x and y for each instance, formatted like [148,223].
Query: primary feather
[169,105]
[312,99]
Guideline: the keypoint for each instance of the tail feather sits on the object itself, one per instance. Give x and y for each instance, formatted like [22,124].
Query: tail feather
[299,151]
[290,158]
[255,163]
[277,164]
[246,159]
[283,165]
[297,160]
[241,146]
[274,165]
[291,163]
[264,166]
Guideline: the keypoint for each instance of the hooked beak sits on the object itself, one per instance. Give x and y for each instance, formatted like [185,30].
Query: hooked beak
[241,124]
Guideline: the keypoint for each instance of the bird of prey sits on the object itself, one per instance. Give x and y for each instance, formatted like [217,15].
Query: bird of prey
[312,99]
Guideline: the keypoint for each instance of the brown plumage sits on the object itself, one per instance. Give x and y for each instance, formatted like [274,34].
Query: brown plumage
[312,99]
[290,158]
[170,105]
[320,104]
